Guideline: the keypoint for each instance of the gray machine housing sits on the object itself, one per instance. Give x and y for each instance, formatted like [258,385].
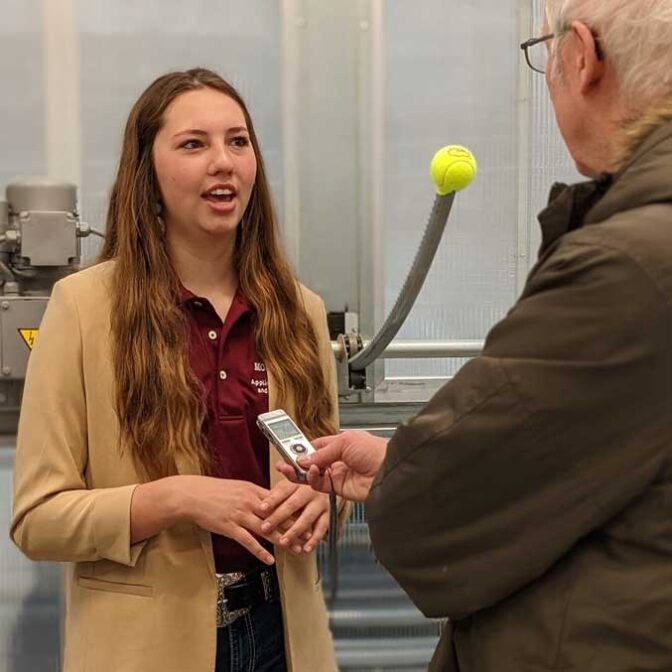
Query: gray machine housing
[40,232]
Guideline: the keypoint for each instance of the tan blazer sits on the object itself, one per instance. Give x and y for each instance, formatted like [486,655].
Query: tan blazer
[142,607]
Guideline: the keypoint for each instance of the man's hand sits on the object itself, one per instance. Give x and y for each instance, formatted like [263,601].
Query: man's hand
[352,458]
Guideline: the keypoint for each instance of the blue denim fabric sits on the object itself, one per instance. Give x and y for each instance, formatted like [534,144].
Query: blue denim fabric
[254,642]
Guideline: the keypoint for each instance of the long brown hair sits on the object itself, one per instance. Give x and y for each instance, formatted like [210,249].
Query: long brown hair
[159,402]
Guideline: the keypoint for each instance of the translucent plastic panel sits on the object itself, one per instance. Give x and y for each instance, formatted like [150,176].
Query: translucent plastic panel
[22,149]
[451,78]
[30,599]
[453,75]
[125,45]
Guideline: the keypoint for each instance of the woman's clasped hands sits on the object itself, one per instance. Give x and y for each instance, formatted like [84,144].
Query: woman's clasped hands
[302,517]
[288,515]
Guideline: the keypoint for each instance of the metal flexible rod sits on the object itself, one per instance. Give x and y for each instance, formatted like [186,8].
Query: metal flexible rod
[412,285]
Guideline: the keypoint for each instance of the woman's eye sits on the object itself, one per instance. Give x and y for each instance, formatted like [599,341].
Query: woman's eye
[191,144]
[240,141]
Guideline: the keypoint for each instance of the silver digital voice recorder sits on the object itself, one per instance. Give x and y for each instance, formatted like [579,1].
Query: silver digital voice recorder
[290,441]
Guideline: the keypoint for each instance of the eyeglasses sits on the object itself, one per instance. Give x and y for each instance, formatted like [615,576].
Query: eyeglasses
[536,52]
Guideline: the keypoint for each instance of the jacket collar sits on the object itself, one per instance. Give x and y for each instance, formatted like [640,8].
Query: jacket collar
[568,206]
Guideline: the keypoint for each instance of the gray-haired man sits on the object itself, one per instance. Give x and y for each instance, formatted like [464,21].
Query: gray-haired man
[531,500]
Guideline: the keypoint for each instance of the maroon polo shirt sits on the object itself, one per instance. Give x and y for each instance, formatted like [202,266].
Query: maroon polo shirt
[223,355]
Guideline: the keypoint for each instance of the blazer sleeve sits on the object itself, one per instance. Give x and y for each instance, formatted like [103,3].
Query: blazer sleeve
[55,516]
[552,432]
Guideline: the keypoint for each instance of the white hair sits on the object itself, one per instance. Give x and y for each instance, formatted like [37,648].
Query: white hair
[634,35]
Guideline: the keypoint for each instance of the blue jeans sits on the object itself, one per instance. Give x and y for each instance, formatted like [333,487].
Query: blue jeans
[254,642]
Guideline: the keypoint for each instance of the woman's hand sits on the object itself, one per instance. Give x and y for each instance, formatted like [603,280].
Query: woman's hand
[304,512]
[222,506]
[230,508]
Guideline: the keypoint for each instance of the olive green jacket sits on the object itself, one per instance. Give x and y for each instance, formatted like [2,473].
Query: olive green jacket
[531,500]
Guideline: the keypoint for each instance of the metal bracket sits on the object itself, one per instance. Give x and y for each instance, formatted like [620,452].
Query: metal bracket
[349,382]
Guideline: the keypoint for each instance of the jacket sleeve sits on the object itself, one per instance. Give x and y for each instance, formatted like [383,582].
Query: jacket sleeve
[545,437]
[55,516]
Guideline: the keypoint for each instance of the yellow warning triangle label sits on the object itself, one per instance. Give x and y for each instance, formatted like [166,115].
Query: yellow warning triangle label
[29,336]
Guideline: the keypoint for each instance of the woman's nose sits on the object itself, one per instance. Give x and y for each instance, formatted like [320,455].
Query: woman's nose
[221,161]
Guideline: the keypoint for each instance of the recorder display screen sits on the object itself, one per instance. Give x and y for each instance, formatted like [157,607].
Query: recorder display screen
[284,429]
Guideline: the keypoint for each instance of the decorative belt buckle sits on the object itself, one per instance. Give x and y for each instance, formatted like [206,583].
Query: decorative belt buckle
[225,617]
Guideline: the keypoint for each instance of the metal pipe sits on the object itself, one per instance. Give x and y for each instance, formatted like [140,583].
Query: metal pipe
[422,349]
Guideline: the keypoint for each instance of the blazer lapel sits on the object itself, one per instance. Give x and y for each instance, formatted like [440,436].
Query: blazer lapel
[275,475]
[274,456]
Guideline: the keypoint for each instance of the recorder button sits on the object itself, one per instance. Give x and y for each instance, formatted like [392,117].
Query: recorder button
[299,448]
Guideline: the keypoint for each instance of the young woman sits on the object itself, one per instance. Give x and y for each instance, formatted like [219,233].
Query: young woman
[138,459]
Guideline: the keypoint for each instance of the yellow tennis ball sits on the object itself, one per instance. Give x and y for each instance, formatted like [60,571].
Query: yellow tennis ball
[453,168]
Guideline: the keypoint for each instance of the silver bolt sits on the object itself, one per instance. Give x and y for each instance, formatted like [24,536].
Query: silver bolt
[6,371]
[301,22]
[5,305]
[364,25]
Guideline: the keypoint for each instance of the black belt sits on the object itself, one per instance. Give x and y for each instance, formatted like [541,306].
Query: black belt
[246,593]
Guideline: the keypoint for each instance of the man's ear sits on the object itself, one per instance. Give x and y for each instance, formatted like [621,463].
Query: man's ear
[589,61]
